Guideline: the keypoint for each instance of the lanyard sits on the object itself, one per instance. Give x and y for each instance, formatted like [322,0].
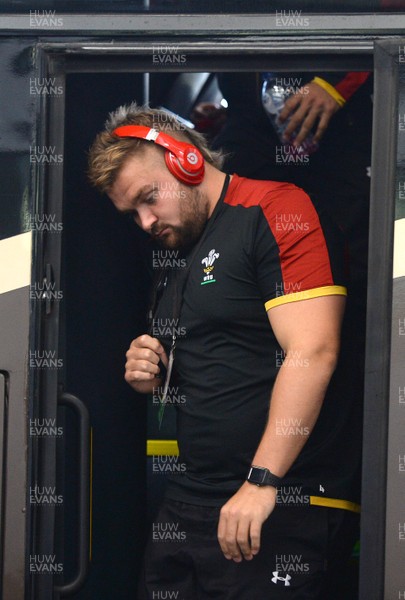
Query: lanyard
[178,296]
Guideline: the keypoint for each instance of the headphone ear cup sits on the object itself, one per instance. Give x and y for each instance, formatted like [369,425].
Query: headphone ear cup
[184,175]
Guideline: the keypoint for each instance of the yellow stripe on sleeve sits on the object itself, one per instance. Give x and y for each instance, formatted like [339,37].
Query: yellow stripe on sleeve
[327,290]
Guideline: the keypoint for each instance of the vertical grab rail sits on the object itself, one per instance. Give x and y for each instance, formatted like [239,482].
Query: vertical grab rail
[78,406]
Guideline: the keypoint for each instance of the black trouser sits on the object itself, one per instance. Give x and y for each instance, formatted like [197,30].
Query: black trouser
[303,555]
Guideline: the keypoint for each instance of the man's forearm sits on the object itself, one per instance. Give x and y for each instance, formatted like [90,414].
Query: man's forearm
[309,332]
[296,401]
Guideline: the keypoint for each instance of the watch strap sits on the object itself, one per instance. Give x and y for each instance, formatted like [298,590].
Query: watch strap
[261,476]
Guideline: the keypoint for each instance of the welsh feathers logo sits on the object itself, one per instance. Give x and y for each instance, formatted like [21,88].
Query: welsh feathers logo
[208,261]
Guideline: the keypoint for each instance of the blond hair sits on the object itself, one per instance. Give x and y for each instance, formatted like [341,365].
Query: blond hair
[109,152]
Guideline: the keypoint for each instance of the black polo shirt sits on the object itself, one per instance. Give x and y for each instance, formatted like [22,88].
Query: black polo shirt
[264,245]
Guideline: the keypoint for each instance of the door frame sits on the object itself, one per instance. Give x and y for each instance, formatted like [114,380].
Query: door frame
[354,52]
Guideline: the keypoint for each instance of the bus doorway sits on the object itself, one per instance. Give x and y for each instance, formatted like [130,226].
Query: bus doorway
[106,280]
[106,274]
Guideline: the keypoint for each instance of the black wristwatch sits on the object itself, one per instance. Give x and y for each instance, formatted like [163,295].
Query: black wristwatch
[261,476]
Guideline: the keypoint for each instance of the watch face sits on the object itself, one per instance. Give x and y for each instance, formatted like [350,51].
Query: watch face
[257,475]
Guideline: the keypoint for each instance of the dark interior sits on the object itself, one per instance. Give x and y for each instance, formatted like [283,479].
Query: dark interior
[106,283]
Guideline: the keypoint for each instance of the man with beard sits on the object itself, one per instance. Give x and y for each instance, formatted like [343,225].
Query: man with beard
[266,503]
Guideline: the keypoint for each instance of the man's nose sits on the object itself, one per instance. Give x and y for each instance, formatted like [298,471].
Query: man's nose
[146,219]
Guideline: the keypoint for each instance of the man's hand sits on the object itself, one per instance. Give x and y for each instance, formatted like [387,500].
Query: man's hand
[141,368]
[241,520]
[310,103]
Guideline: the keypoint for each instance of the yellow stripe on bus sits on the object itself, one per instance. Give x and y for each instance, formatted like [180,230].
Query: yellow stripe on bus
[162,448]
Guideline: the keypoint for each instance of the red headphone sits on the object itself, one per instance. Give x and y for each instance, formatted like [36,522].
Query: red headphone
[183,160]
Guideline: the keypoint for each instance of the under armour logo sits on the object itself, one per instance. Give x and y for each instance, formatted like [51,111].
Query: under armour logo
[276,578]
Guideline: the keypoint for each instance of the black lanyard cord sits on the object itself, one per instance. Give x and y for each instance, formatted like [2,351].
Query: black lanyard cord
[178,297]
[178,294]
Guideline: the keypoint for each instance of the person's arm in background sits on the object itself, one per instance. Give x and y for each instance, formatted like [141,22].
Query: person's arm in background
[317,101]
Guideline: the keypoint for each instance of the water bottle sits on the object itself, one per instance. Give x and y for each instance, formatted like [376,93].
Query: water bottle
[274,97]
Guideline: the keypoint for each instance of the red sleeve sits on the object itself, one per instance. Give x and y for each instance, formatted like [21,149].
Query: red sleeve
[351,83]
[306,266]
[297,252]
